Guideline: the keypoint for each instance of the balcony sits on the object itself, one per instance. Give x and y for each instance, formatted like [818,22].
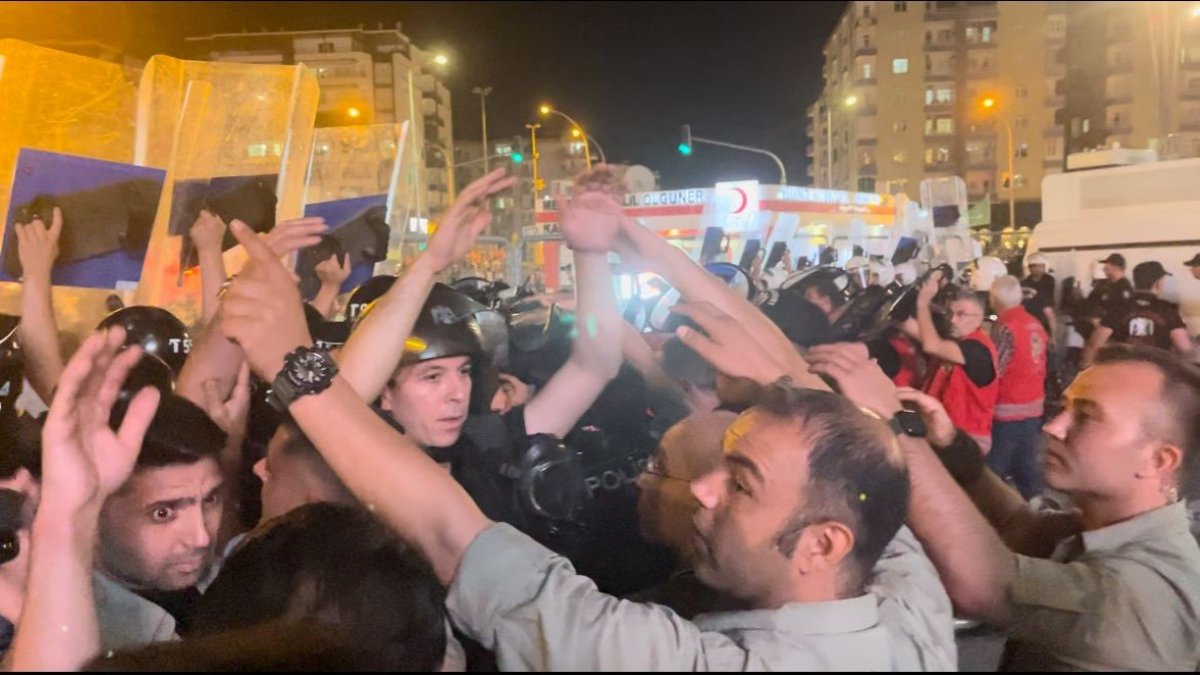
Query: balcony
[979,73]
[865,110]
[981,164]
[1055,101]
[869,141]
[1190,125]
[869,50]
[938,134]
[942,167]
[1055,131]
[940,46]
[1122,129]
[865,82]
[939,77]
[936,107]
[1118,99]
[981,44]
[868,170]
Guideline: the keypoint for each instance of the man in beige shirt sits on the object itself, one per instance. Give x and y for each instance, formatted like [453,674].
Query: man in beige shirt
[1112,586]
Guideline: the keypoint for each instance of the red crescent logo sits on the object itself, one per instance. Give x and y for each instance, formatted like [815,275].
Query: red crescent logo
[745,200]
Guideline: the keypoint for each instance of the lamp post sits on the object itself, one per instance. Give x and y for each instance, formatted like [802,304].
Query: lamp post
[989,103]
[848,102]
[483,94]
[546,109]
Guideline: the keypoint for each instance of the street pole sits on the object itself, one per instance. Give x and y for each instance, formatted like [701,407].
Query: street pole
[1012,177]
[533,150]
[587,153]
[746,148]
[483,94]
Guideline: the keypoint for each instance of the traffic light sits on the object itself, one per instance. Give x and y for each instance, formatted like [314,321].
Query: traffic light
[517,157]
[685,142]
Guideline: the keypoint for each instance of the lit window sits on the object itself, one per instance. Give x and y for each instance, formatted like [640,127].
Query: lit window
[945,125]
[899,66]
[866,71]
[257,150]
[898,157]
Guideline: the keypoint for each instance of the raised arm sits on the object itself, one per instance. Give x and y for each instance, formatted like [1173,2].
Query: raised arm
[83,462]
[387,472]
[589,223]
[376,346]
[216,359]
[208,233]
[694,283]
[37,248]
[932,343]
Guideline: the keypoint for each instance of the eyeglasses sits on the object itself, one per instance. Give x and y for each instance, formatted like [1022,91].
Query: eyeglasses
[654,467]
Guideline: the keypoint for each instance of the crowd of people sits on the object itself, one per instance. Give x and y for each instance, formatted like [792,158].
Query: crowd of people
[802,468]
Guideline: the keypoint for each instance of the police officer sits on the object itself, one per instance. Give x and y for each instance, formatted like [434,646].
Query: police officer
[1041,302]
[1144,320]
[1114,289]
[1194,266]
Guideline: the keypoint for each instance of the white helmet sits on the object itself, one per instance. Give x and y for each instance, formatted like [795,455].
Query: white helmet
[1037,259]
[986,271]
[884,271]
[858,268]
[906,272]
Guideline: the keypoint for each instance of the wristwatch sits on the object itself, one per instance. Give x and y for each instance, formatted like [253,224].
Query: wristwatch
[909,423]
[306,371]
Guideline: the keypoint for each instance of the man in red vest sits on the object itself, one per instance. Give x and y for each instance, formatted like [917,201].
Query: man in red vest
[1022,347]
[962,369]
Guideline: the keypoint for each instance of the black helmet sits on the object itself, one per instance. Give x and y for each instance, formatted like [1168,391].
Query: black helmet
[370,291]
[150,371]
[451,324]
[155,330]
[325,334]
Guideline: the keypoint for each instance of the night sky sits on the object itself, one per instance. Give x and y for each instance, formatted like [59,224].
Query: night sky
[631,73]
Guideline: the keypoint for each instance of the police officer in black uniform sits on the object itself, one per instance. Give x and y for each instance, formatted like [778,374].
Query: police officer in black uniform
[1194,266]
[1114,290]
[1146,319]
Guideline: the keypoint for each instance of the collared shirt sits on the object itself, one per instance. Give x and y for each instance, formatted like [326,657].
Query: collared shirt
[530,608]
[1124,597]
[126,619]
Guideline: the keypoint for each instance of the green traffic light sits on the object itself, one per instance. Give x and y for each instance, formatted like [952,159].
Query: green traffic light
[517,157]
[685,149]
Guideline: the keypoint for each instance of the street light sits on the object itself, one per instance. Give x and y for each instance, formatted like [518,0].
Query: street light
[441,59]
[848,102]
[533,151]
[989,103]
[353,113]
[546,109]
[483,92]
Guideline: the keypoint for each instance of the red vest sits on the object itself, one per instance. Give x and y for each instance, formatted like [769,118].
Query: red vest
[1022,385]
[909,374]
[970,407]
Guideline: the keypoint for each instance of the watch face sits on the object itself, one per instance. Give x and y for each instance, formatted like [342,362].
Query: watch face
[309,368]
[911,422]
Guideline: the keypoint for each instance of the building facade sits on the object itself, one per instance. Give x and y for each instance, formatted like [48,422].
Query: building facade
[905,91]
[366,77]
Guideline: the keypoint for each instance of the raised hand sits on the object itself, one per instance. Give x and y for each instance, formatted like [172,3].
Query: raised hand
[467,217]
[292,235]
[230,414]
[37,245]
[333,272]
[728,345]
[859,378]
[261,310]
[591,219]
[83,459]
[939,429]
[929,288]
[208,232]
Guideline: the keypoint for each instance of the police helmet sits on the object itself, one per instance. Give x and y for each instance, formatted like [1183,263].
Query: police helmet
[157,331]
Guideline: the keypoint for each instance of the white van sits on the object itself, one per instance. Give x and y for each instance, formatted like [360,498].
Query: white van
[1144,212]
